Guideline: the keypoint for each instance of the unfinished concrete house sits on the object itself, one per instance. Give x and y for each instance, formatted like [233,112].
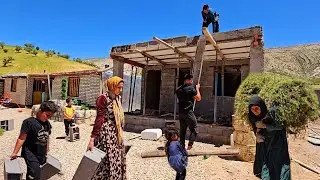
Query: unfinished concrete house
[228,56]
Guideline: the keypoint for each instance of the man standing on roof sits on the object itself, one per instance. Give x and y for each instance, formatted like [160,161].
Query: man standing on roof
[210,17]
[187,94]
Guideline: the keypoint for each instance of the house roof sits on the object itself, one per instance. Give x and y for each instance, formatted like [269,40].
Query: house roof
[74,73]
[234,45]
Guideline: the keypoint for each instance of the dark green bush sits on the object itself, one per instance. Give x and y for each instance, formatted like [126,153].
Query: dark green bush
[294,98]
[64,89]
[1,131]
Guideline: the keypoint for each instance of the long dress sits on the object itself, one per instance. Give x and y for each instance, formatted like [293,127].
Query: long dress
[272,160]
[113,165]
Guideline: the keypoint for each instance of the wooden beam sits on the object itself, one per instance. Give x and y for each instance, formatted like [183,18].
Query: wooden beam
[175,49]
[148,56]
[212,41]
[126,60]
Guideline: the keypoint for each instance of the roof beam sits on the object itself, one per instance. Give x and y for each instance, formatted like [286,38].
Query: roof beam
[175,49]
[126,60]
[212,41]
[148,56]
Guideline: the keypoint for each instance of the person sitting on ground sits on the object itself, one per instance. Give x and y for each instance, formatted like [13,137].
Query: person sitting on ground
[272,159]
[209,17]
[107,133]
[69,112]
[177,154]
[187,94]
[34,140]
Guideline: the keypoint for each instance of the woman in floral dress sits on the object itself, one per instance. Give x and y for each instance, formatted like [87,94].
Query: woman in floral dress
[107,134]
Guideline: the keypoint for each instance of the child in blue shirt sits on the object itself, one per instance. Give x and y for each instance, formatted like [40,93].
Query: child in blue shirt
[177,154]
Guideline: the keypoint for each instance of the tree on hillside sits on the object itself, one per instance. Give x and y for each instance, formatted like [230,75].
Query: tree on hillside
[58,54]
[49,53]
[18,48]
[7,60]
[37,48]
[65,56]
[1,45]
[35,52]
[5,50]
[28,49]
[28,45]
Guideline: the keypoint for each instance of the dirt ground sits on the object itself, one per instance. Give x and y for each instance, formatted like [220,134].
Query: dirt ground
[199,168]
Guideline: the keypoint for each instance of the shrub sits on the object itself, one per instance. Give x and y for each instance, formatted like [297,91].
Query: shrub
[18,48]
[1,131]
[64,89]
[7,60]
[34,52]
[65,56]
[28,49]
[28,45]
[5,50]
[37,48]
[1,45]
[294,98]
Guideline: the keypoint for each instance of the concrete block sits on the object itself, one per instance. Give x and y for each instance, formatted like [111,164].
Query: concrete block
[50,168]
[215,130]
[7,125]
[227,132]
[12,170]
[89,164]
[151,134]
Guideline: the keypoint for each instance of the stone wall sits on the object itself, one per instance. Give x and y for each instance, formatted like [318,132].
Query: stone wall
[207,133]
[167,89]
[89,88]
[19,96]
[29,92]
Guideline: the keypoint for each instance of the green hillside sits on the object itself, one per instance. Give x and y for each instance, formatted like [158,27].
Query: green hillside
[25,62]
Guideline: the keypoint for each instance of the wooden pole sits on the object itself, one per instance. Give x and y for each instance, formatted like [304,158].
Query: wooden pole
[134,87]
[175,87]
[130,89]
[306,166]
[145,88]
[49,88]
[212,41]
[215,103]
[219,152]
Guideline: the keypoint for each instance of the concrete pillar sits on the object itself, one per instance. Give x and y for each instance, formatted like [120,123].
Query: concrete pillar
[118,68]
[244,72]
[257,58]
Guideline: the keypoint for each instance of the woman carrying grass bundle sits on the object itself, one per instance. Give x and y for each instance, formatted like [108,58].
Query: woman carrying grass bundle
[272,161]
[107,134]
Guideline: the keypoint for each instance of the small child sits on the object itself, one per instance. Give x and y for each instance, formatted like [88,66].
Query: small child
[69,112]
[34,140]
[177,154]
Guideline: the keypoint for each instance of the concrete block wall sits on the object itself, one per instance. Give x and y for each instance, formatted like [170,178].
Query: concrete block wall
[205,106]
[19,96]
[207,133]
[257,58]
[29,93]
[167,90]
[89,88]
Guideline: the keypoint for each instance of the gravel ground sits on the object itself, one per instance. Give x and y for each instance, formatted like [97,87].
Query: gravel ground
[70,154]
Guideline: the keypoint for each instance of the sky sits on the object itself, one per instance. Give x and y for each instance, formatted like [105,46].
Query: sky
[89,28]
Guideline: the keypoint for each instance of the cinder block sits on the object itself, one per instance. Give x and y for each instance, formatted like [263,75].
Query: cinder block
[7,125]
[12,170]
[50,168]
[89,164]
[151,134]
[215,130]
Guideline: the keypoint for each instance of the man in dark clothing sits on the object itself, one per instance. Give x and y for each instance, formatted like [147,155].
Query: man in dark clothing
[210,17]
[34,140]
[187,94]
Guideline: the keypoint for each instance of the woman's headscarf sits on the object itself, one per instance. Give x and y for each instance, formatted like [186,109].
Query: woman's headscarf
[112,84]
[257,101]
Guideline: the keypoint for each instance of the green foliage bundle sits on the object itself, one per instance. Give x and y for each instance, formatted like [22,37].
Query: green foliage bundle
[64,89]
[295,101]
[18,48]
[1,131]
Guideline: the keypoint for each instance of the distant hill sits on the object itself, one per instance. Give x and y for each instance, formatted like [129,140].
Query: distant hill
[302,60]
[28,63]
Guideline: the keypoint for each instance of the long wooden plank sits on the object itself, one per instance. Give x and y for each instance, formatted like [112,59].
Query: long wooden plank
[219,152]
[212,41]
[125,60]
[149,56]
[174,48]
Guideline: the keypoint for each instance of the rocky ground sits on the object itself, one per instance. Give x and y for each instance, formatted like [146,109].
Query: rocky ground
[70,154]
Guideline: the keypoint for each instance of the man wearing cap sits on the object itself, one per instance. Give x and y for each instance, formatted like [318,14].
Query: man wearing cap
[187,94]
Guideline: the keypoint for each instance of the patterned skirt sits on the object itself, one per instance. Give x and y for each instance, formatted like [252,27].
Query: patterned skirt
[113,165]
